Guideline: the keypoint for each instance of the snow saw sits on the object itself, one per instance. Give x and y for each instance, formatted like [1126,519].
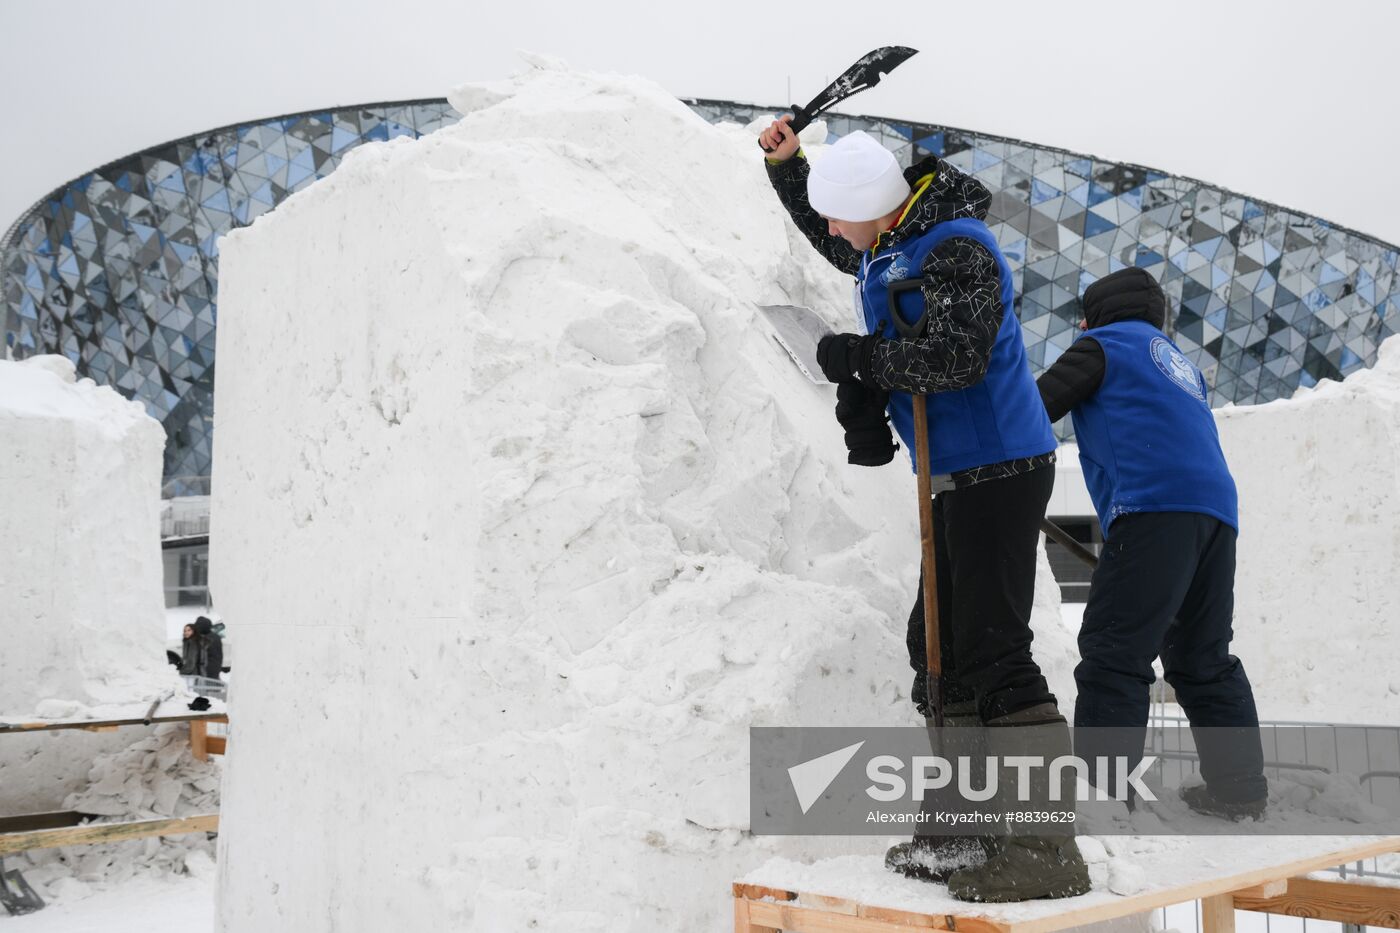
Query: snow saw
[864,74]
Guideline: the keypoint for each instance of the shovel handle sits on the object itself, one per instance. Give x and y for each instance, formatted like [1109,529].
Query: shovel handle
[933,652]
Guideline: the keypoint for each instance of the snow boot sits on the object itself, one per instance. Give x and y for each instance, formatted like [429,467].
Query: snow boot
[930,857]
[1199,798]
[1027,867]
[935,858]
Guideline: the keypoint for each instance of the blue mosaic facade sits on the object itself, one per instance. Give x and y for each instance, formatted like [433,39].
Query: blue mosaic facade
[117,270]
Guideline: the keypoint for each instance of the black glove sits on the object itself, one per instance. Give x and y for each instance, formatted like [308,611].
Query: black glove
[918,692]
[846,357]
[861,411]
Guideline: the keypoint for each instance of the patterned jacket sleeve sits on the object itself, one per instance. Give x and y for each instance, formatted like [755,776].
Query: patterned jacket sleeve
[962,289]
[789,179]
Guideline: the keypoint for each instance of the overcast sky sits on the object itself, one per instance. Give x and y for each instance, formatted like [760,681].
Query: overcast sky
[1292,102]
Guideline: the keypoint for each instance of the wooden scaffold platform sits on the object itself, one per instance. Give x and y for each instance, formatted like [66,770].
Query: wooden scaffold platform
[70,827]
[836,906]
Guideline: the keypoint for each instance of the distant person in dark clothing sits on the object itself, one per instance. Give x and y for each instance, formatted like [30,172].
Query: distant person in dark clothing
[210,651]
[189,652]
[1167,504]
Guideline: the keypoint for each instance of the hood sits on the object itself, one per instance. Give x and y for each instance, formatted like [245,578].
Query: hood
[948,195]
[1130,294]
[202,626]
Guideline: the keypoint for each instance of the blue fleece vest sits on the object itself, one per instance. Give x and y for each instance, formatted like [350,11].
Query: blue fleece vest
[1147,439]
[999,418]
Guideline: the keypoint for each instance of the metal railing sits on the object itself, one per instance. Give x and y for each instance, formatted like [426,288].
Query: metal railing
[1378,747]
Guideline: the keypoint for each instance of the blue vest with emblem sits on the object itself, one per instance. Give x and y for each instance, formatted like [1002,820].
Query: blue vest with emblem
[999,418]
[1147,439]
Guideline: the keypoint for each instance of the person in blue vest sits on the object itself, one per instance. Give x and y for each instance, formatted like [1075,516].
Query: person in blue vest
[991,450]
[1165,581]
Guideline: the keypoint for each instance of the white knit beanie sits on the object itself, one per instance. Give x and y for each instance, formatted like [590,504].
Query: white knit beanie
[856,179]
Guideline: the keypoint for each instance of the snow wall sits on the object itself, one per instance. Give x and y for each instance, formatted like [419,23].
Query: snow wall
[82,613]
[1317,590]
[524,518]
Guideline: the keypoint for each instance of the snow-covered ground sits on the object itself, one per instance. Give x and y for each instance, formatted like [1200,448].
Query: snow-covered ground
[145,904]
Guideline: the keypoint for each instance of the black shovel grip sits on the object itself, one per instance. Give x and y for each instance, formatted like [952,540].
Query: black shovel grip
[905,329]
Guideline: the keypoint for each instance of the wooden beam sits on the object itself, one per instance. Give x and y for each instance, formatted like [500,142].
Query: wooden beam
[743,919]
[1218,914]
[1267,889]
[102,725]
[199,740]
[757,892]
[1200,890]
[798,919]
[218,745]
[106,832]
[1339,901]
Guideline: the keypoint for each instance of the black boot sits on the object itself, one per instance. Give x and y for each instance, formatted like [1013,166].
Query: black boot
[1027,867]
[935,858]
[1199,798]
[930,857]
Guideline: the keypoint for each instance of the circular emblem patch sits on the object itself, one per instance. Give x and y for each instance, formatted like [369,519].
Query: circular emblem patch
[1176,367]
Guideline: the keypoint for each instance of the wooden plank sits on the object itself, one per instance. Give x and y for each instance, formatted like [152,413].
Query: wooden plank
[1268,889]
[218,745]
[199,740]
[1339,901]
[796,919]
[743,919]
[106,832]
[92,725]
[1218,914]
[919,921]
[831,905]
[1200,890]
[758,892]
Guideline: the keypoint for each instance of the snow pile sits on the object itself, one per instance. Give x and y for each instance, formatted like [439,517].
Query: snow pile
[81,608]
[155,778]
[524,518]
[1317,590]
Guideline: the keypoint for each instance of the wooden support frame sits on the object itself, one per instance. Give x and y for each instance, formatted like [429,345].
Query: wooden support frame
[105,832]
[202,744]
[1342,901]
[1277,889]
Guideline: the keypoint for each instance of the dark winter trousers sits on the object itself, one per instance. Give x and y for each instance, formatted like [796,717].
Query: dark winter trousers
[986,537]
[1165,585]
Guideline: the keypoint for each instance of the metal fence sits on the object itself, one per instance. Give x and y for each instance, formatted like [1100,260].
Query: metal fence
[1371,751]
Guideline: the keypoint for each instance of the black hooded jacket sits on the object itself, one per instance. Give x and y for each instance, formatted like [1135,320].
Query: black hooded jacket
[961,278]
[1126,295]
[211,649]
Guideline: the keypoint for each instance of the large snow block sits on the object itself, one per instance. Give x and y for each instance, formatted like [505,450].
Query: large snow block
[82,618]
[1317,590]
[524,519]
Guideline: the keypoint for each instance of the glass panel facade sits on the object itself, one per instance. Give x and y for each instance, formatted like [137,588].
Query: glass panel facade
[117,270]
